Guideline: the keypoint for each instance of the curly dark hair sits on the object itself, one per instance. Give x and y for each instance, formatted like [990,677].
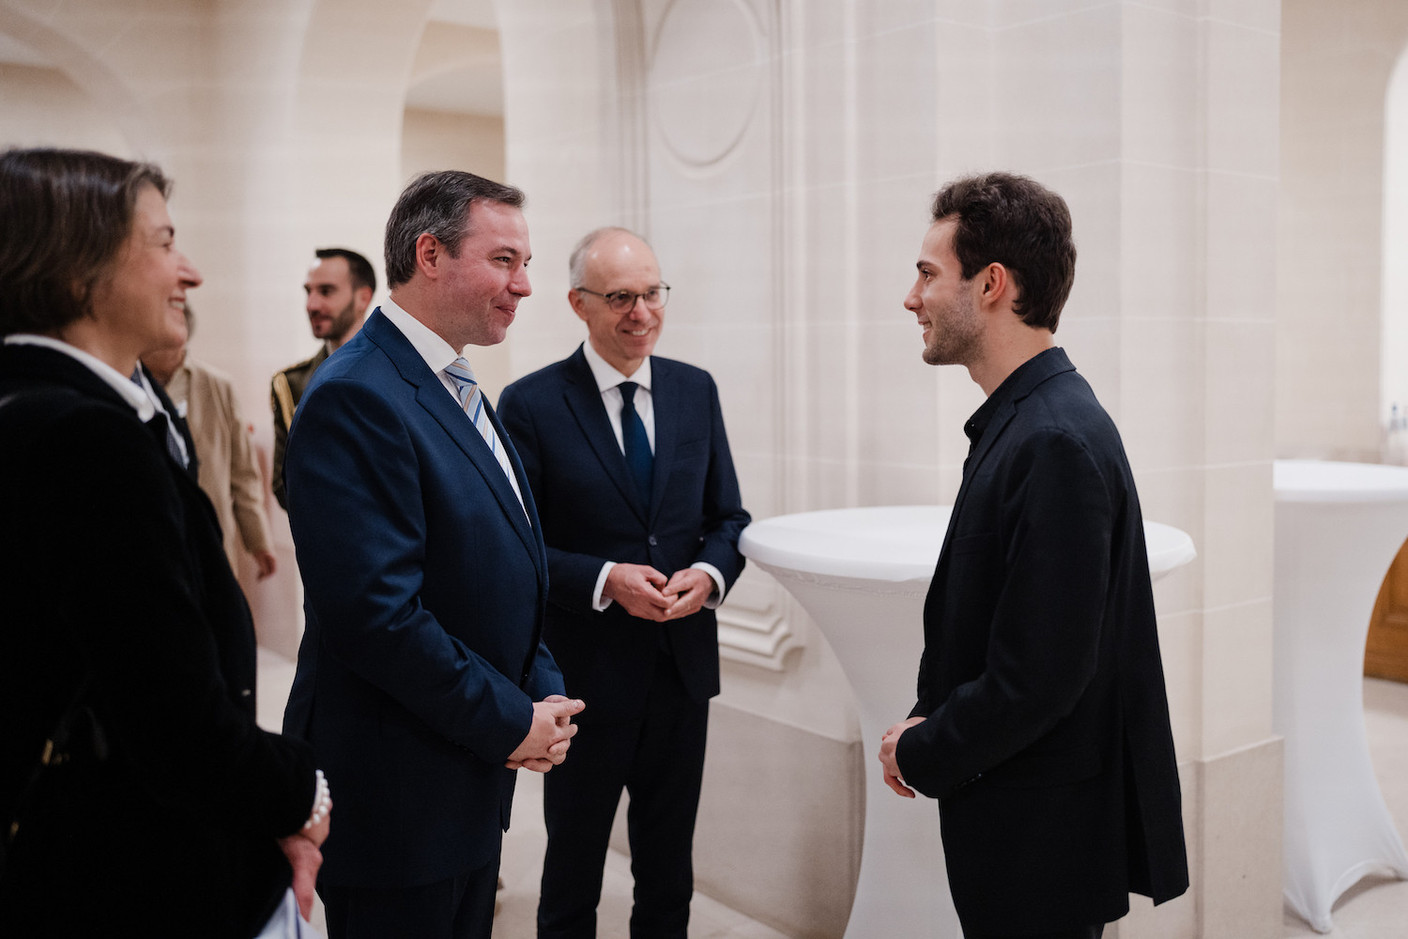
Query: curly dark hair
[1020,224]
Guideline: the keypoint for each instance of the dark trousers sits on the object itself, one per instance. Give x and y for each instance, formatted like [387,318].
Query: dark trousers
[1078,932]
[658,758]
[459,908]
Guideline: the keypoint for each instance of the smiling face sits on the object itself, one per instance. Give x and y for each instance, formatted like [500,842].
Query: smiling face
[943,301]
[619,261]
[141,302]
[334,307]
[481,285]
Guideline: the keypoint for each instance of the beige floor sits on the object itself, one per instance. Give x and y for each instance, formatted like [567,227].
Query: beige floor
[1373,909]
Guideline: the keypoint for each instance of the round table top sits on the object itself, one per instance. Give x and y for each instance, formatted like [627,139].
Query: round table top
[1332,481]
[895,542]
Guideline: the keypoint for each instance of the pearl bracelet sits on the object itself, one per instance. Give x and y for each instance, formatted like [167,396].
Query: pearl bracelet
[322,803]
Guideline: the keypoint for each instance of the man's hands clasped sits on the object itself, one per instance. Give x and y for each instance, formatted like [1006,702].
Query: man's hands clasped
[646,593]
[549,735]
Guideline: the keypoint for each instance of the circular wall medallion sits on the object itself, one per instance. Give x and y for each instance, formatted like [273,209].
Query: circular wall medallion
[706,76]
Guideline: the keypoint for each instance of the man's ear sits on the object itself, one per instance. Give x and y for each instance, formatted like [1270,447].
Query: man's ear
[429,252]
[362,298]
[579,303]
[996,284]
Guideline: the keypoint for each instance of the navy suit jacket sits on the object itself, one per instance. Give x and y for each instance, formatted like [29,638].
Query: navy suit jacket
[425,586]
[592,513]
[1047,738]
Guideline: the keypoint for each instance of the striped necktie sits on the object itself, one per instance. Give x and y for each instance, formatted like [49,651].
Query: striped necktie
[472,400]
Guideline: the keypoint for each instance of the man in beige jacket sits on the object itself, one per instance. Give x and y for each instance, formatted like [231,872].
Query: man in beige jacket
[229,474]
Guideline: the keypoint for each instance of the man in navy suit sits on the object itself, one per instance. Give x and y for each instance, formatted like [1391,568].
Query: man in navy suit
[641,513]
[422,680]
[1042,725]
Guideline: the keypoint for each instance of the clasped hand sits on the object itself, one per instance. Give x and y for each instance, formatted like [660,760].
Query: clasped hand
[549,735]
[889,760]
[646,593]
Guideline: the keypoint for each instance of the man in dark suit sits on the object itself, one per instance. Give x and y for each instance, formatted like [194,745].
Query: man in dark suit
[421,675]
[1042,724]
[641,513]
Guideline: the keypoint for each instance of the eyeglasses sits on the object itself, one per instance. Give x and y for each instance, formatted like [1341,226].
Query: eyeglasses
[623,301]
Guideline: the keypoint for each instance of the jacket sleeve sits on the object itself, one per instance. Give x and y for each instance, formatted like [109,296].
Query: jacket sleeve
[724,515]
[246,485]
[137,609]
[1045,573]
[572,575]
[281,401]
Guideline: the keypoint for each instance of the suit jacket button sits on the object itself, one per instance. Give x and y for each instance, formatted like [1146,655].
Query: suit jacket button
[651,541]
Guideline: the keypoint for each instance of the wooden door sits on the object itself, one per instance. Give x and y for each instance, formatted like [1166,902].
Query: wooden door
[1386,653]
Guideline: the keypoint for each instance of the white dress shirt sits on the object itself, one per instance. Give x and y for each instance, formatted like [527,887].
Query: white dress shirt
[439,355]
[120,383]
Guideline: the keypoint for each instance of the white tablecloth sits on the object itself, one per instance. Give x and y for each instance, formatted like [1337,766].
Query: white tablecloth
[1338,527]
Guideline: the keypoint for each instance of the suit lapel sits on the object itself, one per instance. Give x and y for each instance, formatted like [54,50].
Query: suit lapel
[584,401]
[527,509]
[665,401]
[994,430]
[1036,371]
[434,397]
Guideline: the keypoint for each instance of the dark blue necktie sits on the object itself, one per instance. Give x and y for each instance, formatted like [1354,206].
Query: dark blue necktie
[634,441]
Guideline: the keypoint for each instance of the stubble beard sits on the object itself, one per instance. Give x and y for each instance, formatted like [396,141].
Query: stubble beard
[341,324]
[954,337]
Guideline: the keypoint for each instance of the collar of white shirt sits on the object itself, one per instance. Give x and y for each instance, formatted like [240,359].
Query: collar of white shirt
[438,354]
[122,384]
[608,376]
[428,344]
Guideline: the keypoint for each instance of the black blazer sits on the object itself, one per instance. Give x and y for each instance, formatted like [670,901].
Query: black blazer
[1047,738]
[591,513]
[425,585]
[111,564]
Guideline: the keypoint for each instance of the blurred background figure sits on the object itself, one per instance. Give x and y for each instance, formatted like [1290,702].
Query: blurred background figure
[228,472]
[137,793]
[339,287]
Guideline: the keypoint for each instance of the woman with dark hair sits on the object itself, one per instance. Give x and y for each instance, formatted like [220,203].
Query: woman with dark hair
[137,794]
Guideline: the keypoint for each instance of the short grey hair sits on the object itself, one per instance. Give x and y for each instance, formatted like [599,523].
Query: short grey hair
[437,204]
[577,262]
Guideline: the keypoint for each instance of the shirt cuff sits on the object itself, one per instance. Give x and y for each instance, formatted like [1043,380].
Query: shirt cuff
[717,597]
[599,602]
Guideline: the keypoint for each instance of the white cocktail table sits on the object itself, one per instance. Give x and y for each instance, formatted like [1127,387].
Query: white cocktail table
[1338,528]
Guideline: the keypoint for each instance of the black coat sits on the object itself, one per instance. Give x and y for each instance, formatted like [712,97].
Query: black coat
[111,566]
[1047,738]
